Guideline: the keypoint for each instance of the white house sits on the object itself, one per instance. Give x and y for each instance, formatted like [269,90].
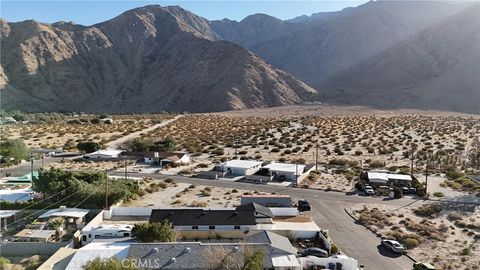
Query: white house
[106,231]
[107,153]
[285,171]
[73,216]
[164,158]
[385,178]
[241,167]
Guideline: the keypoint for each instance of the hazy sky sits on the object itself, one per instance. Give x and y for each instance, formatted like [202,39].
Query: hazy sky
[91,12]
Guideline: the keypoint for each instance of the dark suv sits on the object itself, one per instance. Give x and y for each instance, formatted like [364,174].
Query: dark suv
[303,205]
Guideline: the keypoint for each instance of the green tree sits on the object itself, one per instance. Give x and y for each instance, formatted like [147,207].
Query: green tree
[110,264]
[137,145]
[167,144]
[13,149]
[154,232]
[253,259]
[89,146]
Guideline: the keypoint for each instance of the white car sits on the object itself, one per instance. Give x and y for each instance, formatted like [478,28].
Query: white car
[394,246]
[369,191]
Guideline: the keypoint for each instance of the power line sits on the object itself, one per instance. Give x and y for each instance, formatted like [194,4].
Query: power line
[44,199]
[43,209]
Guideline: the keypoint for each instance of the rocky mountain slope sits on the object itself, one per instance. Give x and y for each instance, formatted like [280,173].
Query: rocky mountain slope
[363,55]
[386,54]
[145,60]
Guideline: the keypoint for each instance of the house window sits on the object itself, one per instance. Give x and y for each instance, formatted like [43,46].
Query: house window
[84,238]
[89,236]
[126,234]
[194,227]
[237,227]
[211,227]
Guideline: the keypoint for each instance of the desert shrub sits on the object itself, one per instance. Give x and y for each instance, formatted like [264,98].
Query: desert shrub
[428,210]
[411,243]
[4,261]
[376,164]
[199,204]
[452,175]
[454,216]
[438,194]
[205,192]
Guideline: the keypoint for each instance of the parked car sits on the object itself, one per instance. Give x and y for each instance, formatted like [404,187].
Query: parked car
[423,266]
[313,251]
[383,190]
[393,246]
[303,205]
[369,191]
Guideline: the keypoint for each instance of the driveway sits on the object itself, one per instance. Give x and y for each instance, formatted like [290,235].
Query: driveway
[116,143]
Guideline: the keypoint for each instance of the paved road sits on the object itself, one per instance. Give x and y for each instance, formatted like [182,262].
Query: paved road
[114,144]
[22,169]
[328,212]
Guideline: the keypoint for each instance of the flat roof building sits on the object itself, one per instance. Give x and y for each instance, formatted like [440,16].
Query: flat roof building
[241,167]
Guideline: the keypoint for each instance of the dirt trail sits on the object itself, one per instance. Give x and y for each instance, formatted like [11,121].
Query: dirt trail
[114,144]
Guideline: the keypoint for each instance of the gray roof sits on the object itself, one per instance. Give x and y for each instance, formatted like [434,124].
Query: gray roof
[193,255]
[278,242]
[260,209]
[244,215]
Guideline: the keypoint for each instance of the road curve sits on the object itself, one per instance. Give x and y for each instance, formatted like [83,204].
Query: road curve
[328,212]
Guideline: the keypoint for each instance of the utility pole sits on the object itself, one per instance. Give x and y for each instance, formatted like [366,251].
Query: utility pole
[43,161]
[411,164]
[236,146]
[106,190]
[125,160]
[296,173]
[316,157]
[31,169]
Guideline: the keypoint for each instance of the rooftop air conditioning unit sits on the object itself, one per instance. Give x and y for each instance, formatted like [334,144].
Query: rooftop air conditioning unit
[63,208]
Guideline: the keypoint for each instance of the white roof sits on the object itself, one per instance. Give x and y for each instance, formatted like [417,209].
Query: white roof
[106,152]
[377,176]
[399,176]
[110,227]
[16,195]
[67,212]
[382,176]
[7,213]
[238,163]
[285,167]
[98,249]
[285,261]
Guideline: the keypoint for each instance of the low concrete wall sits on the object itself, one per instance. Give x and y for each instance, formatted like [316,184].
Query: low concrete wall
[30,248]
[257,178]
[284,211]
[126,212]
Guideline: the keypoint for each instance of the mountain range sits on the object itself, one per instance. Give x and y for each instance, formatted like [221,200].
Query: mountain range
[384,54]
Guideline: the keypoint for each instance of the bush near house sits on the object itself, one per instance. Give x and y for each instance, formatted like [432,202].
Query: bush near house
[154,232]
[85,188]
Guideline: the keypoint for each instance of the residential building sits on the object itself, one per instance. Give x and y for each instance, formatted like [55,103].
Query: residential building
[73,216]
[28,235]
[240,167]
[103,249]
[268,200]
[7,217]
[104,154]
[385,178]
[278,253]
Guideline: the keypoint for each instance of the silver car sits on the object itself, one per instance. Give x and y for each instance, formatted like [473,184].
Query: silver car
[393,246]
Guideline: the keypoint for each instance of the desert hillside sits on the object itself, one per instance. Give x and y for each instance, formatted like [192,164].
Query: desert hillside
[145,60]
